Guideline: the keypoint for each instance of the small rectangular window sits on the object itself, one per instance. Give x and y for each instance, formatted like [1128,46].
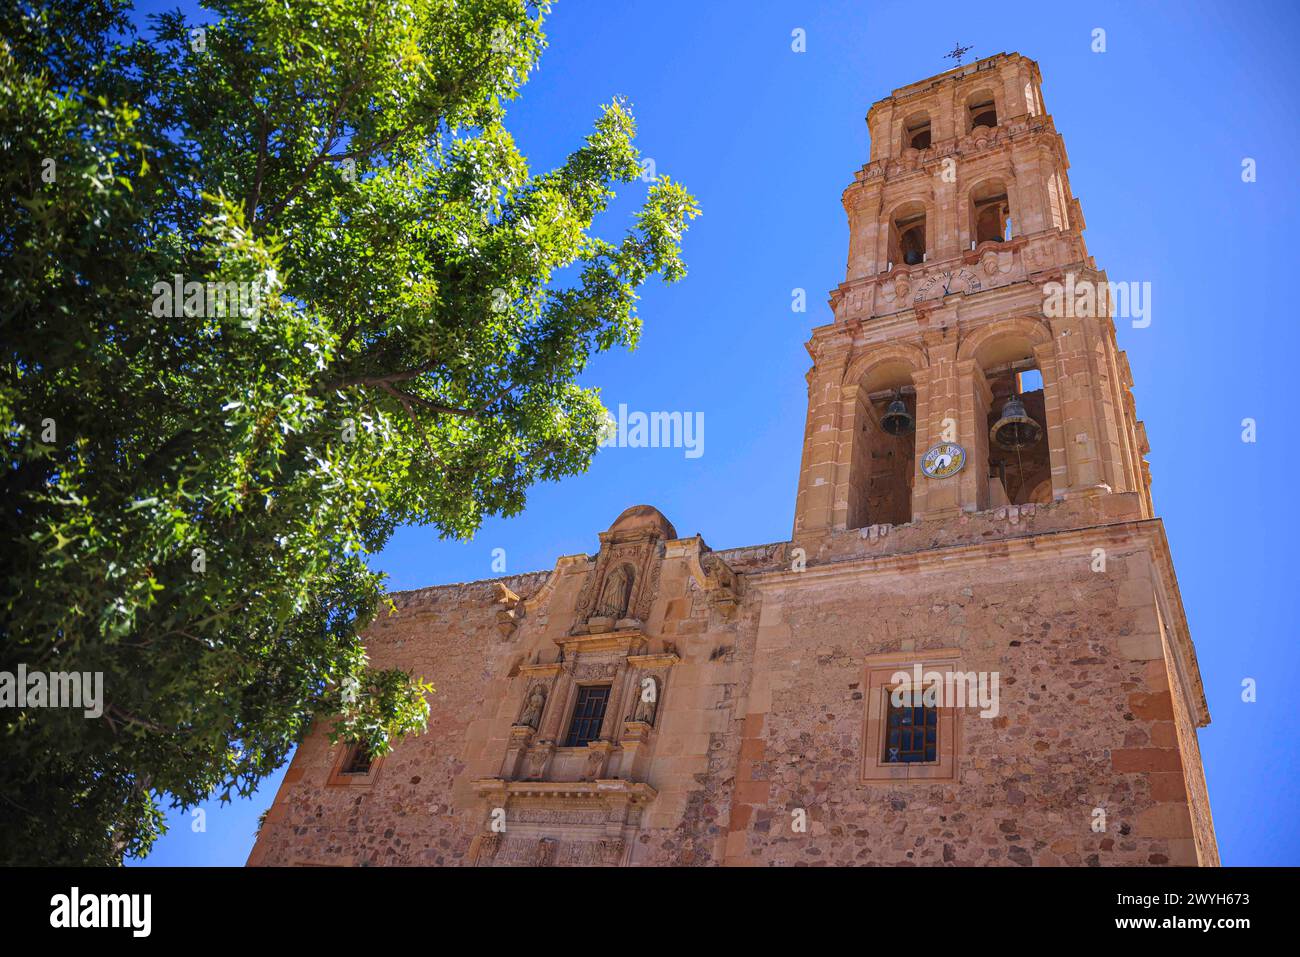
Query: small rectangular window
[357,761]
[588,715]
[911,729]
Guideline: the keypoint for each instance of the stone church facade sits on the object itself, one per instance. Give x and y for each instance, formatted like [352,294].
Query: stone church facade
[973,514]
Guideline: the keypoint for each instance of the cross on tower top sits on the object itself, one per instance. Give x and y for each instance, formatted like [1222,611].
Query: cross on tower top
[958,51]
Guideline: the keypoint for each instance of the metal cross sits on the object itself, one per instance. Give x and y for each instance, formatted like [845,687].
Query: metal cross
[958,51]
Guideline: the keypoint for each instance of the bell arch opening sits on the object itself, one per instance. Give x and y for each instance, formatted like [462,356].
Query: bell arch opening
[981,110]
[1019,459]
[916,131]
[883,466]
[907,235]
[990,213]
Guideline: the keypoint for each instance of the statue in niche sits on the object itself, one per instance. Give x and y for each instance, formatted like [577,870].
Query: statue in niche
[647,702]
[532,715]
[616,594]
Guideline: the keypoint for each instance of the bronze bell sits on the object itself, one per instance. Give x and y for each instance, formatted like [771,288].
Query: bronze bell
[897,420]
[1015,430]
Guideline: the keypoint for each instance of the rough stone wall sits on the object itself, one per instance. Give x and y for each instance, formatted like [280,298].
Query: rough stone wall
[1084,721]
[419,809]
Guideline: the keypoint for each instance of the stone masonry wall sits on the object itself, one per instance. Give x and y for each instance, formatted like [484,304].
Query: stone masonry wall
[1085,721]
[765,713]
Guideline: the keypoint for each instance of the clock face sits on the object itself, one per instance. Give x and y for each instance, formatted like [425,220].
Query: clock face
[943,460]
[946,283]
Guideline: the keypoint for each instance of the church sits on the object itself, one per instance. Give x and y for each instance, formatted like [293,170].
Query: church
[971,651]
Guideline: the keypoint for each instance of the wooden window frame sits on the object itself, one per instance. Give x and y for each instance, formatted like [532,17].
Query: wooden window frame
[340,778]
[878,683]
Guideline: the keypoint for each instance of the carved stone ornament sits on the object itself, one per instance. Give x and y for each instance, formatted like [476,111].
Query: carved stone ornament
[715,577]
[595,764]
[535,764]
[533,707]
[510,611]
[545,852]
[488,846]
[611,851]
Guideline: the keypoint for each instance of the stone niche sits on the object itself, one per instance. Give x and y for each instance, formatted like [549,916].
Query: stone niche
[620,590]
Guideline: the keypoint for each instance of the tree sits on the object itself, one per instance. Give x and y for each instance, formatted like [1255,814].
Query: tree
[273,284]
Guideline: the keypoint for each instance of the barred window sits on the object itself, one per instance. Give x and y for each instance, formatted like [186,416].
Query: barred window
[588,714]
[911,729]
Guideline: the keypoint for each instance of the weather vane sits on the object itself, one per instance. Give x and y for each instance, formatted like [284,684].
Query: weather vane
[958,51]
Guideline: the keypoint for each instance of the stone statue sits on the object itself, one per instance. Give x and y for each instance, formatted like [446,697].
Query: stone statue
[618,591]
[646,703]
[532,715]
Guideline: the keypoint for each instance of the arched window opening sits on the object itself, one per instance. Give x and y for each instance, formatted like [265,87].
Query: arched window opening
[982,111]
[990,213]
[918,132]
[883,469]
[1019,458]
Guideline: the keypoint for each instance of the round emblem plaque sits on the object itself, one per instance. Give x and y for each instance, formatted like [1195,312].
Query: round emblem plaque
[943,460]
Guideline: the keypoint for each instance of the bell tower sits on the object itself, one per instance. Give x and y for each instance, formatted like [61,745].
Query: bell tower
[970,301]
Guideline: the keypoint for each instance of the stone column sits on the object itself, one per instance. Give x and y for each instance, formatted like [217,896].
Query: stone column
[972,430]
[1045,356]
[934,498]
[1085,465]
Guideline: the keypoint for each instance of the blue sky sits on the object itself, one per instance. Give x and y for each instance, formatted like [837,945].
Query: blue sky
[1156,129]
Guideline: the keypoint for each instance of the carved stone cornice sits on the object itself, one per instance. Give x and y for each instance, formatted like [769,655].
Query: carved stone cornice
[627,640]
[540,670]
[661,660]
[602,789]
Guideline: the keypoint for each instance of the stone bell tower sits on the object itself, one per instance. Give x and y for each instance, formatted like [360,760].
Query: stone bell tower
[961,227]
[973,473]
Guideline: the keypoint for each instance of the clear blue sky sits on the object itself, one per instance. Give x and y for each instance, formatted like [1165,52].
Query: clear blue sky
[1156,129]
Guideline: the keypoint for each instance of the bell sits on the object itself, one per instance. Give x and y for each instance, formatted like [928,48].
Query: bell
[1015,430]
[896,420]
